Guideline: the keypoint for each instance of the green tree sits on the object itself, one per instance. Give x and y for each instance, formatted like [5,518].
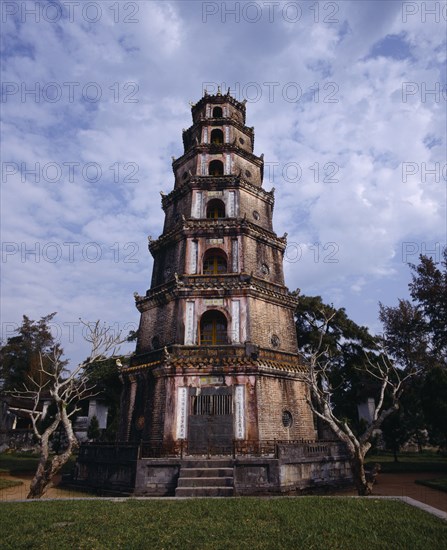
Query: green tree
[405,334]
[345,363]
[105,376]
[20,357]
[429,291]
[93,431]
[434,404]
[343,345]
[416,335]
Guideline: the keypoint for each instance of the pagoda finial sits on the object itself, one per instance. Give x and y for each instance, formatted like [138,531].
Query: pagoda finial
[218,91]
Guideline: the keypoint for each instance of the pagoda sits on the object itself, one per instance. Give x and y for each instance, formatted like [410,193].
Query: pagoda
[217,358]
[216,380]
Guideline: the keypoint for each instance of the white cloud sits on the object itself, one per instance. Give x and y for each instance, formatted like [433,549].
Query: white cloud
[362,140]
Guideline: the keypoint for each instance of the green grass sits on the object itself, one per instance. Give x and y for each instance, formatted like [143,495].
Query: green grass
[311,523]
[26,463]
[18,462]
[6,483]
[440,483]
[410,462]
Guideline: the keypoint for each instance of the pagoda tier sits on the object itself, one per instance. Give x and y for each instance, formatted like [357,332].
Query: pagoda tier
[218,320]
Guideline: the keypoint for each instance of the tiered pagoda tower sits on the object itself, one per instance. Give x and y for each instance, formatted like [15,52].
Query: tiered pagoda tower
[216,359]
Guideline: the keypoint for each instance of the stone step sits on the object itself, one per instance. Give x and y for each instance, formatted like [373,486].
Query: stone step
[205,482]
[204,492]
[206,472]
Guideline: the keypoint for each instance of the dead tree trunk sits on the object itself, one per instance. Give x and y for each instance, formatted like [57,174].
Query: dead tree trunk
[49,465]
[66,389]
[363,485]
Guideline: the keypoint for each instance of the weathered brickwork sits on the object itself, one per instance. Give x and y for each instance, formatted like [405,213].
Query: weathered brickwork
[231,109]
[175,211]
[267,320]
[257,210]
[217,319]
[263,260]
[169,261]
[277,396]
[160,326]
[158,414]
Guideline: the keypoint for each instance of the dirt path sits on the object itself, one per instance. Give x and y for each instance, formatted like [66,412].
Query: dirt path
[19,492]
[386,485]
[404,485]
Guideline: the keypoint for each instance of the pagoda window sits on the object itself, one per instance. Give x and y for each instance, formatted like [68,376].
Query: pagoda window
[216,168]
[215,209]
[213,329]
[214,262]
[217,112]
[217,137]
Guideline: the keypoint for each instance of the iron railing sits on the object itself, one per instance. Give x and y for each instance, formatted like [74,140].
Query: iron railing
[243,448]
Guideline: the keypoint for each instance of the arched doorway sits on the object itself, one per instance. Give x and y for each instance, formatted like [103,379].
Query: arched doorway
[216,168]
[215,209]
[214,262]
[217,112]
[217,137]
[213,329]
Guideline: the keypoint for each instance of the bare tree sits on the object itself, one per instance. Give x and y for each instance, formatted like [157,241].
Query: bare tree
[65,389]
[390,381]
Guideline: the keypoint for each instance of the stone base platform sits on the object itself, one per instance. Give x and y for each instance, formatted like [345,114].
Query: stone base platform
[118,469]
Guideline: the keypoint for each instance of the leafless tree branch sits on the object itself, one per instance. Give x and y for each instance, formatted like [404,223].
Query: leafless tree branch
[317,378]
[64,389]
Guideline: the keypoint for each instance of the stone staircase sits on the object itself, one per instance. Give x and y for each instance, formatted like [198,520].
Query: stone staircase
[205,478]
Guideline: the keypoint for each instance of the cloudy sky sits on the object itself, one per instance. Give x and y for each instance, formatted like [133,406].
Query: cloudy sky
[348,101]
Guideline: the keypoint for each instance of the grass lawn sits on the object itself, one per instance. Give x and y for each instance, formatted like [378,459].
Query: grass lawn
[6,483]
[256,523]
[18,462]
[440,484]
[26,463]
[410,462]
